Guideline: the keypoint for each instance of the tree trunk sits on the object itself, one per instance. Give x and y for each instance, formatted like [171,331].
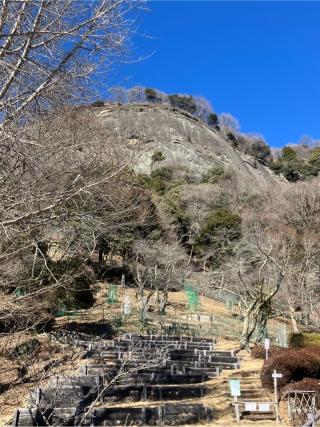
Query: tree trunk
[294,320]
[163,302]
[247,331]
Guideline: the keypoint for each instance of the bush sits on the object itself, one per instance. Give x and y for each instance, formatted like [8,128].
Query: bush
[275,165]
[98,103]
[307,384]
[294,364]
[304,339]
[220,219]
[212,119]
[213,175]
[291,170]
[288,154]
[164,173]
[231,137]
[38,319]
[158,181]
[77,294]
[218,229]
[152,95]
[175,208]
[259,150]
[182,102]
[157,156]
[259,352]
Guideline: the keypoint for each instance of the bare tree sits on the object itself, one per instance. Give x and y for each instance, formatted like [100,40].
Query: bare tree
[157,267]
[48,48]
[228,123]
[254,276]
[60,172]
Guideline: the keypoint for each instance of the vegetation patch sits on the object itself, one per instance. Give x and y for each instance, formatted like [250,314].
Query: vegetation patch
[25,349]
[259,352]
[295,364]
[304,339]
[213,175]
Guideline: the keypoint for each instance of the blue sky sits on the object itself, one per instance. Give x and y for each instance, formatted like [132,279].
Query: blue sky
[260,61]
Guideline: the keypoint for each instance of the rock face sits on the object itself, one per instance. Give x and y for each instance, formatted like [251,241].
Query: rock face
[187,143]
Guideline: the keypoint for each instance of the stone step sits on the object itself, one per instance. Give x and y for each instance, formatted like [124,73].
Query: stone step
[89,381]
[258,416]
[60,397]
[154,392]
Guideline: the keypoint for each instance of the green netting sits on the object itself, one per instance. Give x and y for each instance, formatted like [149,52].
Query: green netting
[193,297]
[61,310]
[261,332]
[112,295]
[19,292]
[231,303]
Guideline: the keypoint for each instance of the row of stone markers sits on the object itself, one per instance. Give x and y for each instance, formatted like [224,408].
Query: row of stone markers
[117,375]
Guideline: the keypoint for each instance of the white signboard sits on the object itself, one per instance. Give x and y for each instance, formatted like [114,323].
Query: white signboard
[235,388]
[126,305]
[250,406]
[267,344]
[264,407]
[276,375]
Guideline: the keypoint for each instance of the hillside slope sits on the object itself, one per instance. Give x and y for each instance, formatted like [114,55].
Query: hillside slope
[188,144]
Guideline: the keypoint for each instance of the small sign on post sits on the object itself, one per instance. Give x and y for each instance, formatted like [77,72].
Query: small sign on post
[275,376]
[267,347]
[235,388]
[235,393]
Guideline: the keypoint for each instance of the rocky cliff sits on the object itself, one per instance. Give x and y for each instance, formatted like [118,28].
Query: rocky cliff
[189,146]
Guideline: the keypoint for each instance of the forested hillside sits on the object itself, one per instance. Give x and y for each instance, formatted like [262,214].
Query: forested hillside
[122,182]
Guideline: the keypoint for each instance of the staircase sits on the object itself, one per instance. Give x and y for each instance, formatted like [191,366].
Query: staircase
[254,400]
[161,380]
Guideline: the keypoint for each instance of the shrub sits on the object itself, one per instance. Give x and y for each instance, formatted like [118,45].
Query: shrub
[158,181]
[250,199]
[175,208]
[213,175]
[314,158]
[152,95]
[158,185]
[218,229]
[275,165]
[164,173]
[98,103]
[220,219]
[157,156]
[259,150]
[288,154]
[294,364]
[77,294]
[291,170]
[307,384]
[231,137]
[212,119]
[259,352]
[304,339]
[186,103]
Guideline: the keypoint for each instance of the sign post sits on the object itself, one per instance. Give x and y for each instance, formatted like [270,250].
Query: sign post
[235,393]
[275,377]
[267,347]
